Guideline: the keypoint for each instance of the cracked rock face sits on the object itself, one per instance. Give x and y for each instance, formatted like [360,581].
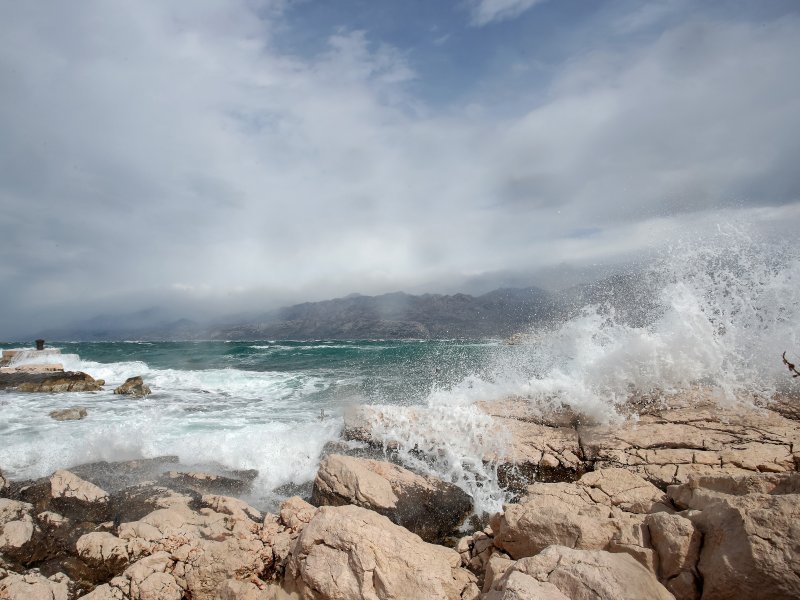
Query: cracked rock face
[558,573]
[567,515]
[427,506]
[176,550]
[692,435]
[751,530]
[64,484]
[350,553]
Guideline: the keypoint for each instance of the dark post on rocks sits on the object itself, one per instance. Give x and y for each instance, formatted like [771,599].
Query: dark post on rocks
[40,344]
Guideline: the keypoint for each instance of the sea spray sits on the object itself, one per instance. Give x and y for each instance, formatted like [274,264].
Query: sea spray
[715,312]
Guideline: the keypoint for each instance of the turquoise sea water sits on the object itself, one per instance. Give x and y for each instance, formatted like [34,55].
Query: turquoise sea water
[269,405]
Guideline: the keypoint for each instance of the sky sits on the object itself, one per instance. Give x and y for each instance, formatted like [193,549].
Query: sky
[217,156]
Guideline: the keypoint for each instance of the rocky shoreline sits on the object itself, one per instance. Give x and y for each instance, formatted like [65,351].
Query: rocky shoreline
[687,499]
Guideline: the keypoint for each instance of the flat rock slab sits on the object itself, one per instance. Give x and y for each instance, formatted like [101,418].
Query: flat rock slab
[67,381]
[47,368]
[693,435]
[559,573]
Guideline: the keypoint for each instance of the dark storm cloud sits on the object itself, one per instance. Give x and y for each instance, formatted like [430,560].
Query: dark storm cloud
[176,154]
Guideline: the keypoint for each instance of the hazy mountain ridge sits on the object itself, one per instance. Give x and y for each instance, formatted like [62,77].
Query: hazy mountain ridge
[398,315]
[388,316]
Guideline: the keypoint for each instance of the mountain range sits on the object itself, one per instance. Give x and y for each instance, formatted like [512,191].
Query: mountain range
[499,313]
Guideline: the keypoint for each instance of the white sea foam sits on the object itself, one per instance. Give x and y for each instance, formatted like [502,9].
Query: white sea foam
[239,419]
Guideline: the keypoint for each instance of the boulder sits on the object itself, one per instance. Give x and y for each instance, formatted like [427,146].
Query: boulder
[559,573]
[74,413]
[3,484]
[751,533]
[677,543]
[17,525]
[104,552]
[607,487]
[296,513]
[133,386]
[427,506]
[33,586]
[67,381]
[64,484]
[234,507]
[150,578]
[351,553]
[78,499]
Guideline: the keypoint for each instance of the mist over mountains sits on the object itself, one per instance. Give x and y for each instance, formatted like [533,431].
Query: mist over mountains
[499,313]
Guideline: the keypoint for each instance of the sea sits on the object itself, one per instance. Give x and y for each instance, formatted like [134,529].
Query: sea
[722,314]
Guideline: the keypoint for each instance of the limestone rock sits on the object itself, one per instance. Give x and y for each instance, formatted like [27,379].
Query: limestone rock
[751,533]
[677,542]
[558,573]
[427,506]
[64,484]
[16,524]
[133,386]
[350,553]
[74,413]
[296,513]
[584,515]
[206,548]
[234,589]
[33,586]
[234,507]
[102,550]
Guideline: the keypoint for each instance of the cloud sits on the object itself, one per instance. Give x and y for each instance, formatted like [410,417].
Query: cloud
[162,153]
[491,11]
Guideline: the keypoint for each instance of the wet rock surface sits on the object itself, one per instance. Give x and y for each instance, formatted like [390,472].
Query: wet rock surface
[74,413]
[669,438]
[57,381]
[133,386]
[427,506]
